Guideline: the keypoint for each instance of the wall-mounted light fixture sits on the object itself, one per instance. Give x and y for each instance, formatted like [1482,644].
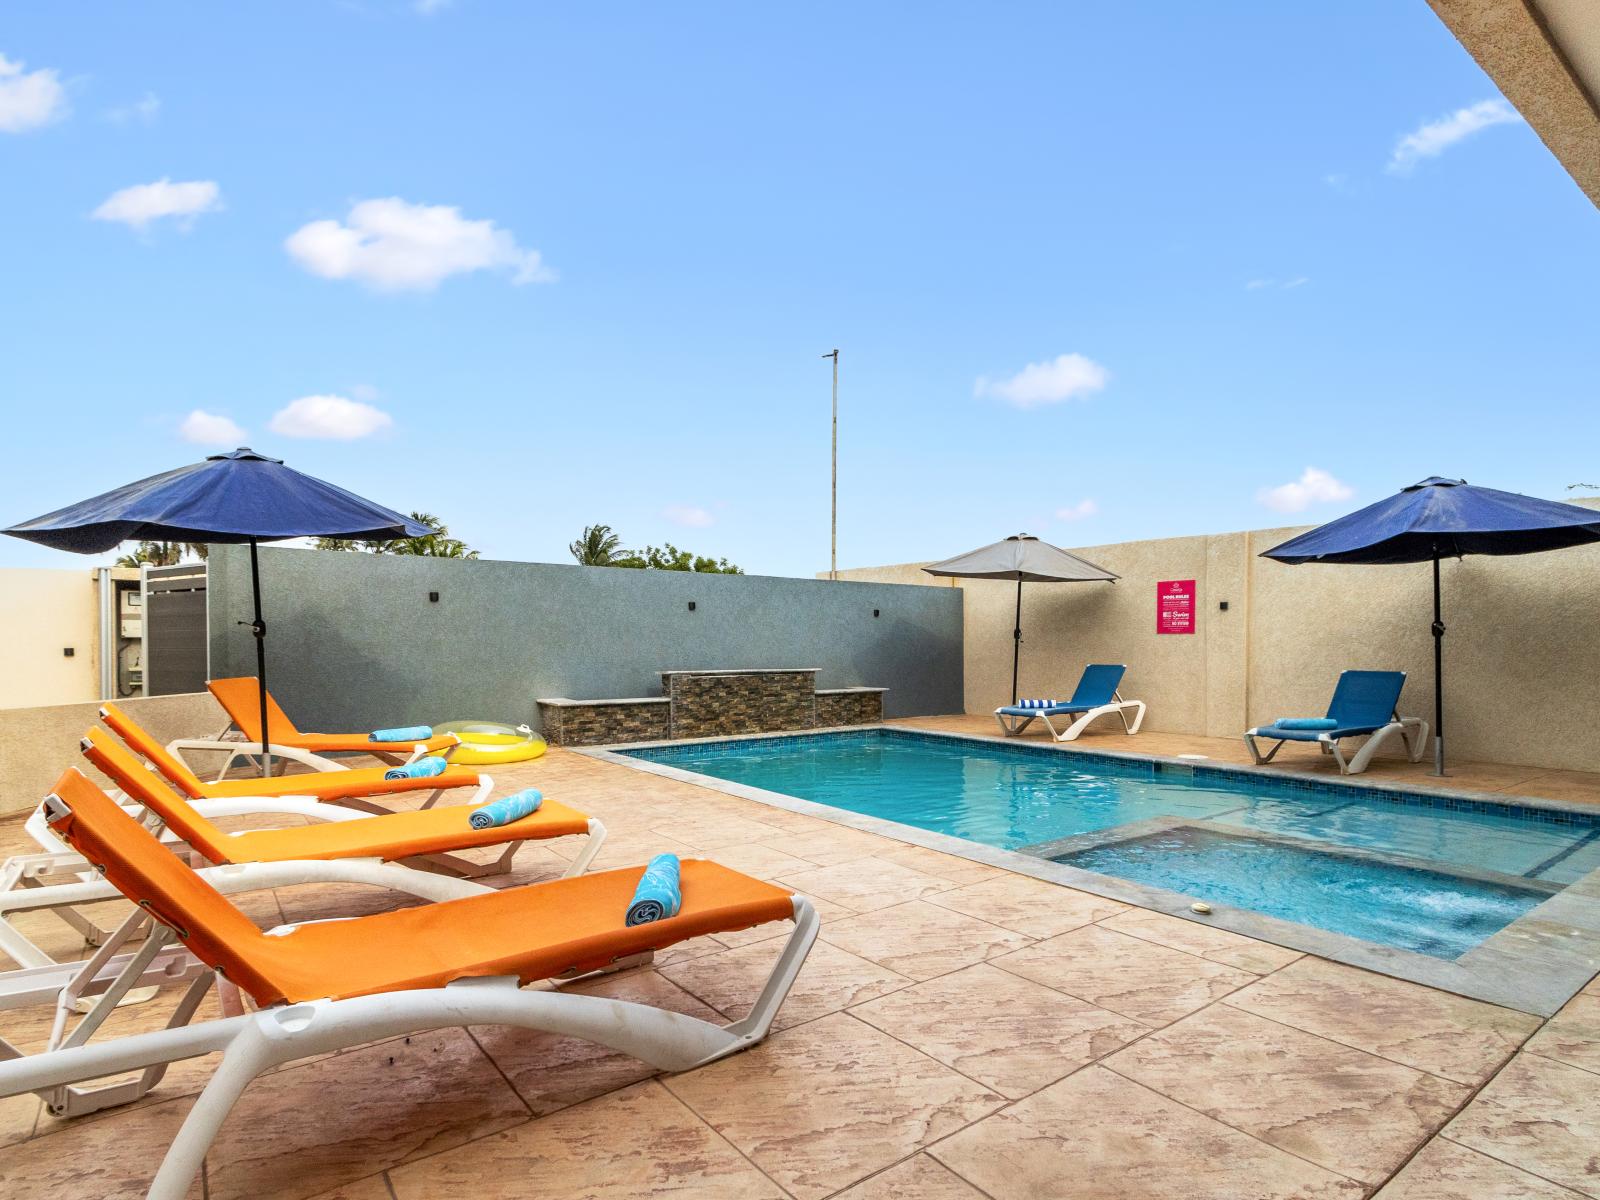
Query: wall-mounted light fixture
[68,651]
[1223,606]
[691,606]
[874,612]
[433,597]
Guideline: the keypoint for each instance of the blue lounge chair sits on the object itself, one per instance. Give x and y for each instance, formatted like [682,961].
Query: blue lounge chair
[1364,704]
[1096,696]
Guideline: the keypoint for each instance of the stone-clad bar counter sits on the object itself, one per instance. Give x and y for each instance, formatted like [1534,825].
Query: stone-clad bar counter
[698,704]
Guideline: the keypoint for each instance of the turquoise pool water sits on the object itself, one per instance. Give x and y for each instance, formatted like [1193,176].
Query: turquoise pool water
[1016,796]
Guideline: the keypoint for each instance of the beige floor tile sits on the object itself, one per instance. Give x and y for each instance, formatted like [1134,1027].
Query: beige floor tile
[1218,945]
[918,1178]
[1097,1136]
[339,1119]
[1128,975]
[832,979]
[1542,1116]
[625,849]
[960,871]
[18,1115]
[373,1187]
[637,1143]
[1572,1036]
[1006,1032]
[1028,906]
[1341,1108]
[110,1159]
[823,1105]
[763,862]
[326,901]
[1460,1039]
[865,884]
[921,940]
[707,831]
[1443,1170]
[551,1072]
[830,845]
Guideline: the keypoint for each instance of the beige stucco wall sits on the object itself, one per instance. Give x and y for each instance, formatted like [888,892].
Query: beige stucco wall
[41,613]
[37,744]
[1521,656]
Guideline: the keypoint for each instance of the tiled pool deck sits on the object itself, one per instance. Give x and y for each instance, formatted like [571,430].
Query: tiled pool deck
[959,1031]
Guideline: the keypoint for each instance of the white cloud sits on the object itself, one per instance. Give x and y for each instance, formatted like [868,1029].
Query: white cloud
[1433,138]
[688,514]
[144,111]
[210,429]
[393,245]
[29,99]
[1254,285]
[137,206]
[1315,486]
[1063,378]
[336,418]
[1297,281]
[1078,511]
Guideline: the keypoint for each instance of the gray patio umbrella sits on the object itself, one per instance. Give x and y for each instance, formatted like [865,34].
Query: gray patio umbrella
[1026,559]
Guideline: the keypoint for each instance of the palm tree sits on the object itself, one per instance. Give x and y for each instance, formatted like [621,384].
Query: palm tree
[598,547]
[438,544]
[163,554]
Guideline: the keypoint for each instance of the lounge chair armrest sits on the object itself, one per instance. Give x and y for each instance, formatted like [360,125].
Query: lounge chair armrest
[249,877]
[305,758]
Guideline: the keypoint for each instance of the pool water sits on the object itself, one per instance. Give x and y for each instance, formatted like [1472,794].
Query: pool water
[1016,796]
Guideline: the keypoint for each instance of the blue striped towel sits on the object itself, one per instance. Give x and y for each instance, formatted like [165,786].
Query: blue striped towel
[1306,723]
[660,892]
[1035,704]
[423,768]
[506,809]
[406,733]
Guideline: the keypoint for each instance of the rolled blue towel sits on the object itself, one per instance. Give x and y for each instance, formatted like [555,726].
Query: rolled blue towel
[406,733]
[1036,704]
[1306,723]
[423,768]
[506,809]
[659,894]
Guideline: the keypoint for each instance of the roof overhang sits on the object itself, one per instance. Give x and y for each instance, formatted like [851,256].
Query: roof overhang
[1544,55]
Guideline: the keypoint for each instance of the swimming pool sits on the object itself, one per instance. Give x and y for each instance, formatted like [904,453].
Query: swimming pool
[1434,874]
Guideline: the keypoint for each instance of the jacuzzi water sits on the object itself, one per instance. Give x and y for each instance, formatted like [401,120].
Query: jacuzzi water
[1015,796]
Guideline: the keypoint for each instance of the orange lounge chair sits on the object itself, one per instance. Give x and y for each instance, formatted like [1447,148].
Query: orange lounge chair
[241,700]
[424,837]
[329,985]
[354,787]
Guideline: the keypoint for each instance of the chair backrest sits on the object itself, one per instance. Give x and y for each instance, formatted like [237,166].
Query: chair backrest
[149,874]
[241,699]
[1365,698]
[1099,684]
[141,742]
[143,785]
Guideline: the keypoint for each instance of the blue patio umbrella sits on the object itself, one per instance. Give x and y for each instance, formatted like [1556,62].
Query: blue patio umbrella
[238,498]
[1442,518]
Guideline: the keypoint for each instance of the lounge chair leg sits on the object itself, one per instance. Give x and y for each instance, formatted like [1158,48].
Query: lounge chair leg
[591,847]
[247,1056]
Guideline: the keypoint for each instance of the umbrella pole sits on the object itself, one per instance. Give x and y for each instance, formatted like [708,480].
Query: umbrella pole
[1438,672]
[1016,644]
[258,627]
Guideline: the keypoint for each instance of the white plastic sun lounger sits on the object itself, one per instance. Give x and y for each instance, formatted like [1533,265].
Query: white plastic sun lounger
[325,986]
[1096,696]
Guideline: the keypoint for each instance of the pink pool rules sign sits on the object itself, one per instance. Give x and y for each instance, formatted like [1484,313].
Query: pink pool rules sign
[1175,606]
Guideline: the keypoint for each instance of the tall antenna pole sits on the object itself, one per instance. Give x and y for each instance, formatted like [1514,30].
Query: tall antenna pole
[833,558]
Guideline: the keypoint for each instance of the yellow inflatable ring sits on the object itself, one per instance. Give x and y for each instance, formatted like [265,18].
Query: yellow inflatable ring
[485,743]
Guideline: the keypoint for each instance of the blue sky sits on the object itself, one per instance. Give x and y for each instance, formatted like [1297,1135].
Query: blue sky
[1098,271]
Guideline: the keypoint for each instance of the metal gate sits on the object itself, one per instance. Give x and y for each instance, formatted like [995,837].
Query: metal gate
[176,645]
